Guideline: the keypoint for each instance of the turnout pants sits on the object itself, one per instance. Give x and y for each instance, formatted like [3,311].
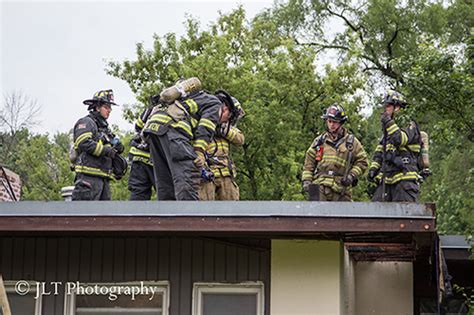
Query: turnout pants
[176,176]
[222,188]
[88,187]
[141,181]
[403,191]
[328,194]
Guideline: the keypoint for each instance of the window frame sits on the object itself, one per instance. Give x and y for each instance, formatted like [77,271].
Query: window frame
[201,288]
[10,288]
[70,299]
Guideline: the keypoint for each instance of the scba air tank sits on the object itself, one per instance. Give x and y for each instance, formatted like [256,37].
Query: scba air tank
[180,89]
[425,149]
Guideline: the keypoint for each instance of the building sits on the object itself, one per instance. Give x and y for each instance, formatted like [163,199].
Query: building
[206,258]
[10,185]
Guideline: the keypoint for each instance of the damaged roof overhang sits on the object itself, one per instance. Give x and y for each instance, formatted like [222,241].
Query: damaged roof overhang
[224,216]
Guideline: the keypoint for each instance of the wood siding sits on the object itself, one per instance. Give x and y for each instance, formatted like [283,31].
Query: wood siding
[180,260]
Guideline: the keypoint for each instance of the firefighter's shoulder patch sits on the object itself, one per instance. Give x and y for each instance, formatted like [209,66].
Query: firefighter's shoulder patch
[81,126]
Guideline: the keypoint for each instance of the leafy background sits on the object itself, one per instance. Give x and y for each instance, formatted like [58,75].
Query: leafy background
[277,65]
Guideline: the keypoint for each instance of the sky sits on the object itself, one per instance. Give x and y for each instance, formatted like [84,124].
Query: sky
[56,51]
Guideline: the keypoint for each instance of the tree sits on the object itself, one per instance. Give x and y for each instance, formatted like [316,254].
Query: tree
[19,112]
[375,32]
[275,80]
[440,84]
[43,166]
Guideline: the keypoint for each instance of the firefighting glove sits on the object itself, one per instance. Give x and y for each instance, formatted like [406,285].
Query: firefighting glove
[371,175]
[385,119]
[348,180]
[371,188]
[117,145]
[200,161]
[119,148]
[306,184]
[110,152]
[425,173]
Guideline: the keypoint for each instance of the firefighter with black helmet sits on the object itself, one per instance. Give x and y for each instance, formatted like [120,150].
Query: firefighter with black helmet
[334,161]
[178,137]
[96,152]
[396,161]
[223,186]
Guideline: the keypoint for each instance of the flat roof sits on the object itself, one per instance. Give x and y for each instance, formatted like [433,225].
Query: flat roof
[217,208]
[455,242]
[215,216]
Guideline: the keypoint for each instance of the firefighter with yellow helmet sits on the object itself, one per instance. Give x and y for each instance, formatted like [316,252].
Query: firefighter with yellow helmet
[334,161]
[397,160]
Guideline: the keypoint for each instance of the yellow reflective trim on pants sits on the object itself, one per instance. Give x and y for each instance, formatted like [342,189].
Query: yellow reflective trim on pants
[135,151]
[379,148]
[398,177]
[391,147]
[207,123]
[84,136]
[91,171]
[330,182]
[193,106]
[142,159]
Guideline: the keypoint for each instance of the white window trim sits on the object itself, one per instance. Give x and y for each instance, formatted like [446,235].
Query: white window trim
[164,288]
[200,288]
[10,288]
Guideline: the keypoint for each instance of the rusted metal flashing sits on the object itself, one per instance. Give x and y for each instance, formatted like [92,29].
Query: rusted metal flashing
[295,225]
[381,251]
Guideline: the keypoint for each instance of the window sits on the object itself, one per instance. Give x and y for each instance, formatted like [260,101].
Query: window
[244,298]
[130,298]
[25,304]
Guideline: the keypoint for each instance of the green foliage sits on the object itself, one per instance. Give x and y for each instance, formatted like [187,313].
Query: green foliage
[275,80]
[119,187]
[423,48]
[43,166]
[376,32]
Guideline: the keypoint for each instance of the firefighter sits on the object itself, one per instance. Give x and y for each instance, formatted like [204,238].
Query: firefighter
[142,178]
[334,161]
[223,186]
[396,159]
[178,137]
[97,151]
